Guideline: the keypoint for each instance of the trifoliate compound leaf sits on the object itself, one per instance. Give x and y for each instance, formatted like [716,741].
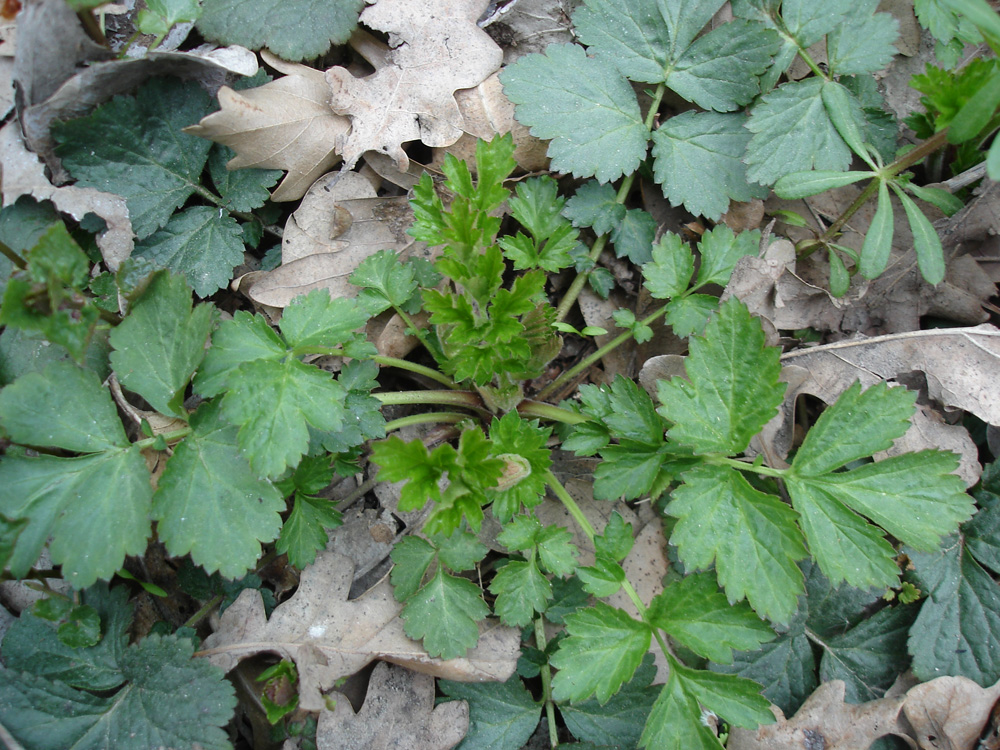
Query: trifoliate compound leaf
[385,281]
[594,205]
[240,189]
[913,496]
[316,319]
[698,162]
[672,267]
[160,343]
[35,410]
[873,418]
[864,42]
[721,250]
[793,133]
[751,537]
[70,502]
[245,338]
[444,613]
[584,105]
[733,387]
[959,623]
[274,403]
[304,532]
[633,237]
[171,700]
[695,613]
[502,715]
[111,150]
[411,556]
[689,315]
[201,243]
[603,650]
[619,722]
[521,590]
[211,504]
[292,29]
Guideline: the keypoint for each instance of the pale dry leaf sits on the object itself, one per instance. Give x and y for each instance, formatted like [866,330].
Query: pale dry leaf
[435,49]
[398,714]
[329,637]
[322,222]
[24,174]
[285,124]
[949,713]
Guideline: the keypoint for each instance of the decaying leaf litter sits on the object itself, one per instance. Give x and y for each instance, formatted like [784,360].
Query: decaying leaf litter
[351,146]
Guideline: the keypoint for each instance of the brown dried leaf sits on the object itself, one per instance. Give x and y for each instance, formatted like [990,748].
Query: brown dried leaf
[329,637]
[435,49]
[398,714]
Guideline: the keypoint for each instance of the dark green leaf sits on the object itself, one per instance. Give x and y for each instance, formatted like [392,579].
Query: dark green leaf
[633,237]
[688,315]
[594,205]
[521,590]
[411,556]
[502,715]
[241,189]
[672,267]
[304,532]
[864,42]
[926,243]
[878,240]
[245,338]
[619,722]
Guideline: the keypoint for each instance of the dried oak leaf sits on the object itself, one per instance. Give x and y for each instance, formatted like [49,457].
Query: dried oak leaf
[398,714]
[329,637]
[285,124]
[435,49]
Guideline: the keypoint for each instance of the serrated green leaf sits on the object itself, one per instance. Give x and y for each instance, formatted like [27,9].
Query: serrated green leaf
[864,42]
[615,542]
[847,117]
[926,243]
[633,236]
[293,29]
[631,35]
[304,532]
[913,496]
[857,425]
[674,722]
[502,715]
[694,612]
[34,410]
[296,395]
[201,243]
[720,251]
[584,105]
[411,556]
[603,578]
[160,344]
[50,493]
[10,530]
[594,205]
[957,628]
[444,613]
[878,240]
[385,278]
[109,150]
[316,319]
[512,435]
[603,650]
[399,460]
[698,162]
[568,596]
[804,184]
[672,267]
[752,538]
[733,389]
[245,338]
[171,700]
[556,551]
[735,699]
[460,551]
[310,477]
[793,133]
[521,590]
[632,469]
[240,189]
[209,503]
[688,315]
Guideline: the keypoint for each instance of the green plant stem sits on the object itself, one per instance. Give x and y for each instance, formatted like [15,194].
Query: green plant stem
[170,437]
[427,372]
[566,303]
[596,356]
[13,257]
[766,471]
[546,673]
[204,611]
[528,408]
[359,492]
[468,399]
[433,417]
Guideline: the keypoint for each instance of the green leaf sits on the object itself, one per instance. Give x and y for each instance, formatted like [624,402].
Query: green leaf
[521,590]
[316,319]
[411,556]
[160,344]
[735,699]
[48,491]
[752,537]
[793,133]
[584,105]
[304,532]
[689,314]
[847,117]
[878,240]
[201,243]
[240,189]
[634,236]
[864,42]
[616,541]
[840,280]
[109,150]
[603,578]
[296,395]
[210,503]
[698,162]
[594,205]
[171,700]
[914,496]
[460,550]
[937,197]
[411,461]
[733,389]
[35,410]
[513,436]
[10,530]
[926,243]
[873,419]
[957,628]
[720,251]
[310,477]
[292,29]
[672,267]
[444,614]
[556,551]
[695,613]
[804,184]
[245,338]
[619,722]
[603,650]
[502,715]
[385,281]
[160,15]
